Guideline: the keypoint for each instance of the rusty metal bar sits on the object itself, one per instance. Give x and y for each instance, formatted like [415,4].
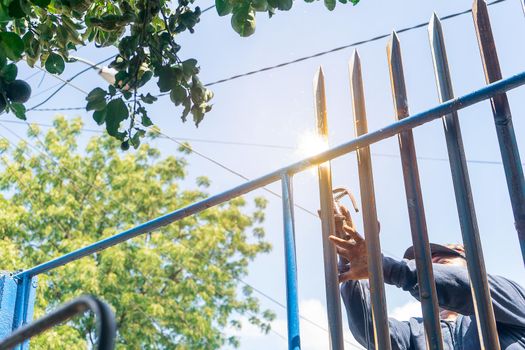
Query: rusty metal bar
[464,201]
[503,120]
[368,204]
[416,210]
[333,302]
[292,302]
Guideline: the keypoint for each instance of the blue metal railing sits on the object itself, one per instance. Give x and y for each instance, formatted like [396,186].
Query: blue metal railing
[347,147]
[284,175]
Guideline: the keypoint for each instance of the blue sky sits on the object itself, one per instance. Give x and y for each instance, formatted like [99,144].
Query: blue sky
[276,108]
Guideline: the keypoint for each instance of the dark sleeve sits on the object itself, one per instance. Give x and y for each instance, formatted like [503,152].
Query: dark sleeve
[453,290]
[356,297]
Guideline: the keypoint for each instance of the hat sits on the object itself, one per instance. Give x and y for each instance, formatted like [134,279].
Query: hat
[449,249]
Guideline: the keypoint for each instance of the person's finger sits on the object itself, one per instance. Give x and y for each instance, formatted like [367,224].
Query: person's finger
[348,217]
[352,233]
[339,242]
[343,252]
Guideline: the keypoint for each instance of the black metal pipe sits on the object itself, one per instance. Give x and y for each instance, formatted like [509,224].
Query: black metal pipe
[106,326]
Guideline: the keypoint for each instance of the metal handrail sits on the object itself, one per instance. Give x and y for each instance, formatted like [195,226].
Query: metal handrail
[106,326]
[362,141]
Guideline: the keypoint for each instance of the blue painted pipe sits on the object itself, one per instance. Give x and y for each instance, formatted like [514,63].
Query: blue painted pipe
[292,303]
[359,142]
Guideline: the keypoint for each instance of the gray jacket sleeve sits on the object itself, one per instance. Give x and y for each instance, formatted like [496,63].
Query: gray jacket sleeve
[453,290]
[356,297]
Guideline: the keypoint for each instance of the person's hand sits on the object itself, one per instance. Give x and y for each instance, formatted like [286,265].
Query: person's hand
[351,246]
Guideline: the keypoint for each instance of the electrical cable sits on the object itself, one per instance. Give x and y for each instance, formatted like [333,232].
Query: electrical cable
[357,43]
[208,8]
[66,82]
[264,145]
[287,63]
[31,76]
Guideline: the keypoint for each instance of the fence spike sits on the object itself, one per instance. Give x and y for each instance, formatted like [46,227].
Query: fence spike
[333,301]
[368,204]
[414,197]
[503,120]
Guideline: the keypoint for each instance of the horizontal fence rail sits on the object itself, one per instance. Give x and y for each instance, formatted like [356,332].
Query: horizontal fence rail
[350,146]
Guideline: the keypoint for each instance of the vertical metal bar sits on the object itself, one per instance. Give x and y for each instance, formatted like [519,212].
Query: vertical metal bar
[371,227]
[464,201]
[503,119]
[292,304]
[333,302]
[25,300]
[416,210]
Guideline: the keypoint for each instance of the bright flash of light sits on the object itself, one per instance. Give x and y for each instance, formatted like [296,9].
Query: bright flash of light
[309,144]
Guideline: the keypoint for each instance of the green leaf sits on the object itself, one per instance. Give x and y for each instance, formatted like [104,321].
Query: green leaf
[12,45]
[223,7]
[96,94]
[260,5]
[187,107]
[189,67]
[149,99]
[169,77]
[32,46]
[9,72]
[3,58]
[100,116]
[135,140]
[329,4]
[116,112]
[146,76]
[273,4]
[124,145]
[19,110]
[96,105]
[96,100]
[285,5]
[178,94]
[55,63]
[16,10]
[243,21]
[198,114]
[146,121]
[41,3]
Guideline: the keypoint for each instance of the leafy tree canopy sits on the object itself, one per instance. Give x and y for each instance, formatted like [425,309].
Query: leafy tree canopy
[175,288]
[145,33]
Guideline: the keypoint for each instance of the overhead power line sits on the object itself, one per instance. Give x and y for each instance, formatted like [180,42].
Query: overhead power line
[276,66]
[67,82]
[339,48]
[262,145]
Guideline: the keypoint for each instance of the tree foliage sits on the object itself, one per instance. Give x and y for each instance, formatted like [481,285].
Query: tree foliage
[175,288]
[145,32]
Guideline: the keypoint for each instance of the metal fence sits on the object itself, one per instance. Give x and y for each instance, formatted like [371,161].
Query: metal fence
[17,309]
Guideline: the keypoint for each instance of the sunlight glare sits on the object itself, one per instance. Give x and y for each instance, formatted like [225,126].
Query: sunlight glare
[309,144]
